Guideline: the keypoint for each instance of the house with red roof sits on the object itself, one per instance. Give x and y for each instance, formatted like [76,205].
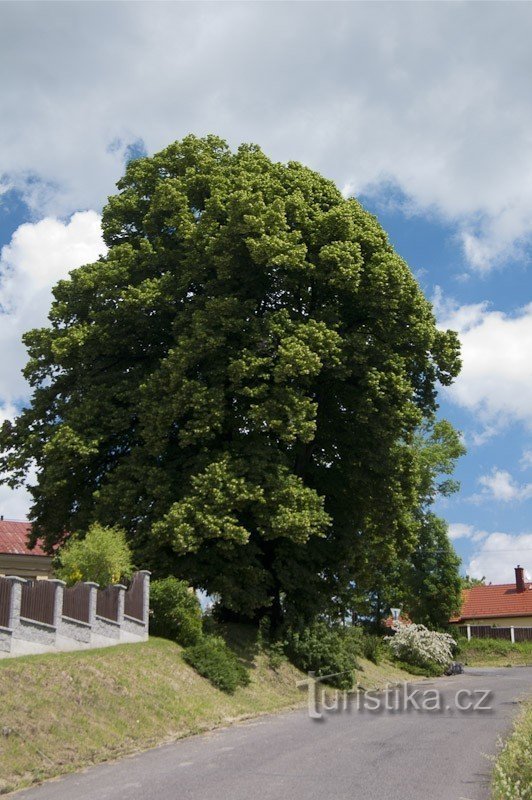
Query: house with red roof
[501,605]
[15,556]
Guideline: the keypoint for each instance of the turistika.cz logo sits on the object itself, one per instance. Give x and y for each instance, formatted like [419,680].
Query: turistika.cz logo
[393,699]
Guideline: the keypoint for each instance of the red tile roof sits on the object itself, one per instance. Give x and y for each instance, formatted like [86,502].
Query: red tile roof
[498,600]
[14,539]
[404,619]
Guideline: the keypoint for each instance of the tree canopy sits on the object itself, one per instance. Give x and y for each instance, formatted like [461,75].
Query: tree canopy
[238,383]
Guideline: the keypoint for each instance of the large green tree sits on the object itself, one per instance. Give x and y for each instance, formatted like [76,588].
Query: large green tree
[237,383]
[424,580]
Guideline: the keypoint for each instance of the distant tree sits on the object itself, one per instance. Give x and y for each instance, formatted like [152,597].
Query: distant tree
[432,583]
[237,383]
[424,581]
[468,582]
[103,556]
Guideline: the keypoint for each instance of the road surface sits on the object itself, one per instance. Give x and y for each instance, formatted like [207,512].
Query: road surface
[349,755]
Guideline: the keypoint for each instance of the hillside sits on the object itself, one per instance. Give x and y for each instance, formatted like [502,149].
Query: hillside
[65,711]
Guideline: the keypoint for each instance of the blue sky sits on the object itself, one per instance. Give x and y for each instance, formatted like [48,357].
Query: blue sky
[434,140]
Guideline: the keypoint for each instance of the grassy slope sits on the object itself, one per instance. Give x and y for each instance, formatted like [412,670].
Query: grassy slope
[494,653]
[69,710]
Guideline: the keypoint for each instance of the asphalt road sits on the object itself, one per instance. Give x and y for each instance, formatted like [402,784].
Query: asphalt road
[355,755]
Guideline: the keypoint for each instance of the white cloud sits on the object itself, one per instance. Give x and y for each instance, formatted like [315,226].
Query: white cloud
[14,503]
[526,459]
[460,530]
[500,485]
[35,259]
[495,382]
[371,95]
[499,554]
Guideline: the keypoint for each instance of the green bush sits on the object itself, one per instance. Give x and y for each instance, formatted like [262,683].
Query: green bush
[373,647]
[327,651]
[176,612]
[212,658]
[103,556]
[430,670]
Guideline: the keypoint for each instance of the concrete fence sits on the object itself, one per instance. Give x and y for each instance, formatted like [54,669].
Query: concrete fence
[45,616]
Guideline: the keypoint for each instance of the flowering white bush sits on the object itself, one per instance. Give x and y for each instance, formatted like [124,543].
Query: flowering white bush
[415,644]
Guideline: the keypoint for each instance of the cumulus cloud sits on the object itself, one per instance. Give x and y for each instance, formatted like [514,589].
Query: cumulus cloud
[499,554]
[494,382]
[460,530]
[371,95]
[37,256]
[526,459]
[500,485]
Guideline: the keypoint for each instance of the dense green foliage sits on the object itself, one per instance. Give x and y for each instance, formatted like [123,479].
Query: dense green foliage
[175,611]
[468,582]
[329,651]
[212,658]
[512,775]
[373,647]
[102,556]
[424,581]
[239,383]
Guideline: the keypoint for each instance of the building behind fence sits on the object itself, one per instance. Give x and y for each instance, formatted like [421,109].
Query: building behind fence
[45,616]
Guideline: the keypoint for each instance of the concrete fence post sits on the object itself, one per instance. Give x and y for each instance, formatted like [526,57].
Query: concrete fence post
[92,600]
[16,601]
[145,573]
[58,601]
[468,633]
[121,590]
[512,634]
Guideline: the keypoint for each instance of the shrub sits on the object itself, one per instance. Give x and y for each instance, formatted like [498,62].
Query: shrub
[372,647]
[327,651]
[430,671]
[212,658]
[417,646]
[103,556]
[176,612]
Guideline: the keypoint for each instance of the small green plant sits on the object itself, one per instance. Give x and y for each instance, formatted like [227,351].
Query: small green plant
[276,654]
[326,650]
[175,611]
[512,775]
[103,556]
[212,658]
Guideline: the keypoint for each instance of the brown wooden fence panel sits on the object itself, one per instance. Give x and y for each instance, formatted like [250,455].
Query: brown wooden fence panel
[134,598]
[107,603]
[76,601]
[38,600]
[5,602]
[488,632]
[523,634]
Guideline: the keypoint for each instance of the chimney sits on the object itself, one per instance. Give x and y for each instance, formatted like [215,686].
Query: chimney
[519,579]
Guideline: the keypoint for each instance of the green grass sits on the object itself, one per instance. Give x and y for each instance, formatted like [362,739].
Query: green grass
[512,775]
[67,711]
[494,653]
